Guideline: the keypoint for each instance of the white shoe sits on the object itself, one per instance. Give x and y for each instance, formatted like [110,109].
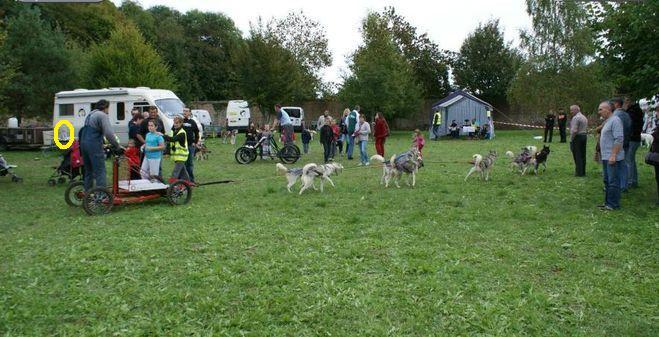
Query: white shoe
[360,164]
[367,164]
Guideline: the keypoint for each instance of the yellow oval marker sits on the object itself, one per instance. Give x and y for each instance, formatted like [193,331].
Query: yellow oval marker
[71,134]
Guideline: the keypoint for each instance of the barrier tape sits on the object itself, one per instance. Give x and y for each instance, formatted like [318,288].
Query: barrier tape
[522,125]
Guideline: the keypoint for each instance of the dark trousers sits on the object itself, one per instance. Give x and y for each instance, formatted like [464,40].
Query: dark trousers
[578,147]
[94,172]
[339,144]
[549,131]
[189,164]
[561,129]
[327,151]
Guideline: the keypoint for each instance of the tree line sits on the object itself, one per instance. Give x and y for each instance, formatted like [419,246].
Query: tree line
[574,52]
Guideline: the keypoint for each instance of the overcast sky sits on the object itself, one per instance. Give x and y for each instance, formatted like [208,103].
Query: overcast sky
[447,22]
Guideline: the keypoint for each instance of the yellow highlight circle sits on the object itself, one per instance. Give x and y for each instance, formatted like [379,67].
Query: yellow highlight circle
[71,134]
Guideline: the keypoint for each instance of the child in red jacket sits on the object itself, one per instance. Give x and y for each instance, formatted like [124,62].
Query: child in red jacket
[418,140]
[132,153]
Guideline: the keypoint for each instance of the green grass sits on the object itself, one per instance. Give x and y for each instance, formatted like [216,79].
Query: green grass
[514,256]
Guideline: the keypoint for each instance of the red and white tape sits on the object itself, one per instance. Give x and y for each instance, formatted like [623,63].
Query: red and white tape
[521,125]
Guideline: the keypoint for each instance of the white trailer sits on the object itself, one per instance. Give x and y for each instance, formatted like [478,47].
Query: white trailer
[76,104]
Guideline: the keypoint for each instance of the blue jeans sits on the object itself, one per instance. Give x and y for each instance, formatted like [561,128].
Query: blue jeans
[351,146]
[611,183]
[189,164]
[623,173]
[630,159]
[435,131]
[363,156]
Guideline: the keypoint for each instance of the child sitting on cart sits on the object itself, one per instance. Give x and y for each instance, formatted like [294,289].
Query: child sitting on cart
[178,145]
[133,155]
[265,146]
[153,147]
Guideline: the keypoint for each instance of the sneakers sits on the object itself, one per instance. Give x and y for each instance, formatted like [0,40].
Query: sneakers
[605,208]
[360,164]
[367,164]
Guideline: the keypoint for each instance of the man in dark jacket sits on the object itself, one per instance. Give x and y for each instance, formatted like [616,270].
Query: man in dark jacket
[192,132]
[636,115]
[549,126]
[326,138]
[562,123]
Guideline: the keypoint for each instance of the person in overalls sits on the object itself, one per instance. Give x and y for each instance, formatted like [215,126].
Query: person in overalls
[97,125]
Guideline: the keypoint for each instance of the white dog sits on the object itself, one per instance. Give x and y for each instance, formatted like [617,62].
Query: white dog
[646,140]
[308,174]
[388,169]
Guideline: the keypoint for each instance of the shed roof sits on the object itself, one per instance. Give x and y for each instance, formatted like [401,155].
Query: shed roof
[455,97]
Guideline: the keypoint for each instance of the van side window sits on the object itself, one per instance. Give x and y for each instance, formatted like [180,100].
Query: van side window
[121,112]
[66,109]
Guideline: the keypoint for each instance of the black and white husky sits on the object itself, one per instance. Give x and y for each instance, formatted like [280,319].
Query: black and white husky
[408,162]
[308,174]
[483,165]
[541,159]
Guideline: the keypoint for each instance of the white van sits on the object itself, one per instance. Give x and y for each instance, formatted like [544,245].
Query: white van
[75,105]
[238,115]
[297,116]
[203,116]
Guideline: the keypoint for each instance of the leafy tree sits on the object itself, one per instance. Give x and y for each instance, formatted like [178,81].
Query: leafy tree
[83,23]
[126,60]
[212,40]
[6,70]
[268,73]
[486,64]
[559,70]
[429,64]
[382,79]
[41,62]
[306,39]
[628,40]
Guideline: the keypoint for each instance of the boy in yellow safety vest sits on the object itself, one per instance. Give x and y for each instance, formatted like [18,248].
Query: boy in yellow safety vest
[178,145]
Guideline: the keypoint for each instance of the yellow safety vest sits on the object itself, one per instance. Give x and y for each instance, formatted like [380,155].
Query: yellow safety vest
[438,118]
[178,152]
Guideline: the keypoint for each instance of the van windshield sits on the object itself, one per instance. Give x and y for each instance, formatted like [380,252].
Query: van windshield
[293,112]
[170,106]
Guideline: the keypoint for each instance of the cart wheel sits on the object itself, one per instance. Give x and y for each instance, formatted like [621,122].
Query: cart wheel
[245,155]
[289,154]
[97,201]
[17,179]
[52,182]
[179,193]
[75,194]
[61,180]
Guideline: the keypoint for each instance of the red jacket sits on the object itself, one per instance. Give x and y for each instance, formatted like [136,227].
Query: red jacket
[133,156]
[335,130]
[381,128]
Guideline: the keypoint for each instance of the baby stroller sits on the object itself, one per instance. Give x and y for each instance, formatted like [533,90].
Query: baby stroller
[5,169]
[70,167]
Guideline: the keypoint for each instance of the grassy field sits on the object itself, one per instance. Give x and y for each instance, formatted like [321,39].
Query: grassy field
[515,256]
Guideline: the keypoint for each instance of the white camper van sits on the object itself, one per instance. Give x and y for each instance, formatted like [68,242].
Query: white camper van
[75,105]
[238,115]
[203,116]
[297,116]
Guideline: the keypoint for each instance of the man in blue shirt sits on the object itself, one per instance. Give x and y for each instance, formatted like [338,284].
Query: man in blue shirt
[613,155]
[285,124]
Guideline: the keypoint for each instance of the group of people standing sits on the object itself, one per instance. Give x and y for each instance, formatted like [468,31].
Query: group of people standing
[619,139]
[146,145]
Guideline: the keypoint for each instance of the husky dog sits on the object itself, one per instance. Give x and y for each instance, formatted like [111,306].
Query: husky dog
[388,169]
[646,140]
[532,149]
[323,172]
[229,135]
[407,162]
[201,152]
[308,173]
[292,174]
[541,159]
[483,165]
[522,161]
